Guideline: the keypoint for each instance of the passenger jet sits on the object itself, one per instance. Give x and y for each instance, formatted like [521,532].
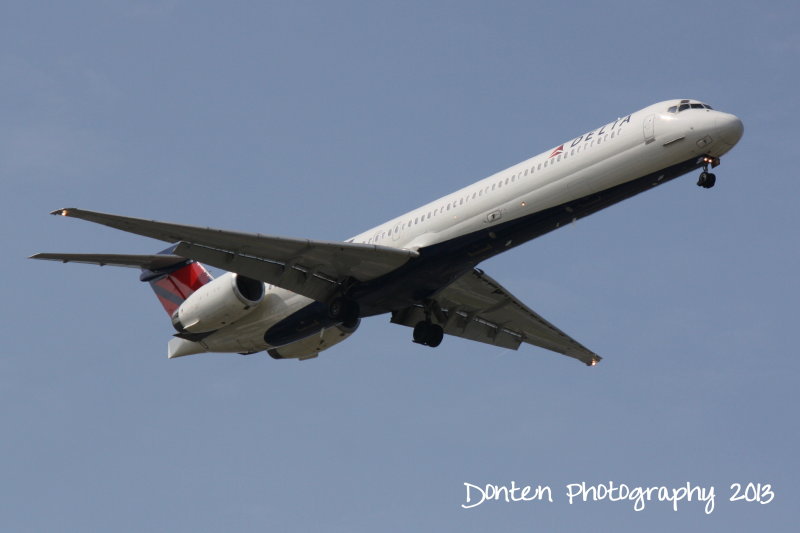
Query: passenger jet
[294,298]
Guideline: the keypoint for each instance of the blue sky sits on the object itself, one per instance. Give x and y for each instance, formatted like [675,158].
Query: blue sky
[320,120]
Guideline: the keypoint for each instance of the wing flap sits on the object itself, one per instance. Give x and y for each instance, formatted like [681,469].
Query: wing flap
[462,325]
[478,308]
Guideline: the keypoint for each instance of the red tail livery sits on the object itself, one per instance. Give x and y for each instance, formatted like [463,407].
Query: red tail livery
[175,284]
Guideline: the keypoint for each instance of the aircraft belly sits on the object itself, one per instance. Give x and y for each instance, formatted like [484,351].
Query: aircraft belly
[440,264]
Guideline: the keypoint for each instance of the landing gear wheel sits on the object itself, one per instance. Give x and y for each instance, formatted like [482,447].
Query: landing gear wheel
[706,179]
[351,321]
[421,332]
[336,308]
[345,310]
[435,335]
[428,334]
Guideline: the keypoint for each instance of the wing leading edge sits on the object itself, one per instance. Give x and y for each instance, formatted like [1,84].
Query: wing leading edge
[477,308]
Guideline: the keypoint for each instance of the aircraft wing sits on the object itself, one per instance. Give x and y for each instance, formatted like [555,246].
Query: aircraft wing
[311,268]
[478,308]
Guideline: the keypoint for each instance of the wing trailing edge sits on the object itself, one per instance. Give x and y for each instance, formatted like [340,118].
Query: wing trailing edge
[478,308]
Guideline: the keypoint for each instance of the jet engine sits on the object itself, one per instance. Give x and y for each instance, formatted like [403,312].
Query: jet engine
[218,303]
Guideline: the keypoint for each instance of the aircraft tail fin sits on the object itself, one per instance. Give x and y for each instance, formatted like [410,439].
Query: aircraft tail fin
[173,278]
[176,283]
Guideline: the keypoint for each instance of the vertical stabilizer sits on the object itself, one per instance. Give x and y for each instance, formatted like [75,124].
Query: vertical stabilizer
[174,284]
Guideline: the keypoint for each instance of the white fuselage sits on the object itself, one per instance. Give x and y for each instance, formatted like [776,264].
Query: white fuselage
[633,146]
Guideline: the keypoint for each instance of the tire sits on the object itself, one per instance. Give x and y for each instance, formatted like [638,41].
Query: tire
[421,332]
[435,335]
[344,310]
[336,308]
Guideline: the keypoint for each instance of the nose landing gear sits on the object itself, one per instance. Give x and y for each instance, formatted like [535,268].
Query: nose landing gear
[707,179]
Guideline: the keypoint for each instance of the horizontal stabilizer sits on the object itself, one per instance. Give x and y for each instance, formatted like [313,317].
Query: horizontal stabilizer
[148,262]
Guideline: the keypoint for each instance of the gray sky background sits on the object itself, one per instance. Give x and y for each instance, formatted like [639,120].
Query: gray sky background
[320,120]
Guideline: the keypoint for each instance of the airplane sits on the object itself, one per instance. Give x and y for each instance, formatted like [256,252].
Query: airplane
[294,298]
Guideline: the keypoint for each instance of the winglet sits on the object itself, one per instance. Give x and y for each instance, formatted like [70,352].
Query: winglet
[62,212]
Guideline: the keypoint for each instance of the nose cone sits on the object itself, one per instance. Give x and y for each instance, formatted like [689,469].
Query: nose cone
[729,128]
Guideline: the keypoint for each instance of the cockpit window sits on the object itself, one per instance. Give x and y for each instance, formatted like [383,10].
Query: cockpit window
[684,105]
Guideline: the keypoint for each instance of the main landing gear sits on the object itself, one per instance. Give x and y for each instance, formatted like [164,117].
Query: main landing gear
[426,332]
[344,310]
[707,179]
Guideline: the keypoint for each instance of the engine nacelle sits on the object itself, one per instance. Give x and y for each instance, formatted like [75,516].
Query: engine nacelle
[218,303]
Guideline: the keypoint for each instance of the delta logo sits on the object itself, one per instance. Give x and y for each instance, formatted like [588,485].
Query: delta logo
[557,151]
